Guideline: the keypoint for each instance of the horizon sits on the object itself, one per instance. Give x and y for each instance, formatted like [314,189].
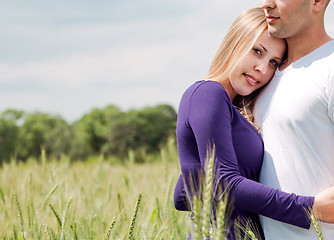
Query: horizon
[67,58]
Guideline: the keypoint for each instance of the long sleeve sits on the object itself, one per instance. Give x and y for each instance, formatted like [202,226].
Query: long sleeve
[181,202]
[210,115]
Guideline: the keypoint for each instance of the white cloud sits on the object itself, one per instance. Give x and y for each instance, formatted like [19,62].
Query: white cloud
[68,64]
[138,57]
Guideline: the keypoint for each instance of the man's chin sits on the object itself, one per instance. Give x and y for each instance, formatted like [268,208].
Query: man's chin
[275,33]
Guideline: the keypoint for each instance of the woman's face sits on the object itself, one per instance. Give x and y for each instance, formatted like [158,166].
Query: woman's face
[257,67]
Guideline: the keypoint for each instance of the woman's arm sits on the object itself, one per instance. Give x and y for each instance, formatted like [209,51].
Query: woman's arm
[210,117]
[181,202]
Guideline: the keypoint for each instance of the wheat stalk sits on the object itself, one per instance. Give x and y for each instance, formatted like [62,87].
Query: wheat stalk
[43,156]
[56,215]
[112,225]
[2,195]
[317,227]
[66,212]
[75,236]
[46,232]
[220,225]
[20,215]
[133,220]
[14,233]
[65,218]
[207,194]
[49,195]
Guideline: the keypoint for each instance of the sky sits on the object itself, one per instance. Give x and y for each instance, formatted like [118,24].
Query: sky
[67,57]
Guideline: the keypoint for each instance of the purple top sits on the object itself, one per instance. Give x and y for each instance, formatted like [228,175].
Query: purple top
[206,115]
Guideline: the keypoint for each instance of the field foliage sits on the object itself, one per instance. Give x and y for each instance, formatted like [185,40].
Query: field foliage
[49,199]
[100,199]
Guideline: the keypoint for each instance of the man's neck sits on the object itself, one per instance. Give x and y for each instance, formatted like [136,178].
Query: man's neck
[300,46]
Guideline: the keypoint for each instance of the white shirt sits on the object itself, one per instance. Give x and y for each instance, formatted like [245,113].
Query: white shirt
[295,113]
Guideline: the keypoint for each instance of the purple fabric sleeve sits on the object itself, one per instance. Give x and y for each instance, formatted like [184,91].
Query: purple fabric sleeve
[181,202]
[210,115]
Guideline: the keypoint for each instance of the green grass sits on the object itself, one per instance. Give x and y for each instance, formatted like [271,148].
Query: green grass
[91,200]
[49,199]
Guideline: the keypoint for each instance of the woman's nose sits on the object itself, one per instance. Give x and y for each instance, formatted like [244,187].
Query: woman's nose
[262,68]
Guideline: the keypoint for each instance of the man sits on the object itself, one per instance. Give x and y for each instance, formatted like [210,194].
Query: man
[295,112]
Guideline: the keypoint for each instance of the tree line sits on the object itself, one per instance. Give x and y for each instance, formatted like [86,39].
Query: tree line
[108,131]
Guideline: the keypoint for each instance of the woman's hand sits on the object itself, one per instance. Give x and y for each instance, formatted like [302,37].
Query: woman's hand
[323,207]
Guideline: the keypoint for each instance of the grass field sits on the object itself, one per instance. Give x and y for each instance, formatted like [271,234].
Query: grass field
[98,199]
[90,200]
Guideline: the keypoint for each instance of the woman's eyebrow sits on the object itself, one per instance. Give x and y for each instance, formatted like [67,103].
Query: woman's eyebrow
[264,48]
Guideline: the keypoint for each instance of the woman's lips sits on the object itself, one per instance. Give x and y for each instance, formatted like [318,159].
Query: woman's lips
[251,80]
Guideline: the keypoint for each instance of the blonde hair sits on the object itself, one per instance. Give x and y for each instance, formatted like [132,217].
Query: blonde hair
[239,40]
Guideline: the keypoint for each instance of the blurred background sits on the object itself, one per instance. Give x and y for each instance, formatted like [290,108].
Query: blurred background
[89,92]
[84,74]
[67,57]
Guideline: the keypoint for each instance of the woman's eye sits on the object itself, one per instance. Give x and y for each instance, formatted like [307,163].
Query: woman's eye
[274,63]
[257,51]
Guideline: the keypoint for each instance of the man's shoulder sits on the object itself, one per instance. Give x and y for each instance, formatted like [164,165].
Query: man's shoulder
[326,51]
[321,58]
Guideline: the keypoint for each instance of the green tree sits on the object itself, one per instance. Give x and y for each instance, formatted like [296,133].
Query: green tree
[8,139]
[9,133]
[91,131]
[58,140]
[42,129]
[112,132]
[141,131]
[158,122]
[13,115]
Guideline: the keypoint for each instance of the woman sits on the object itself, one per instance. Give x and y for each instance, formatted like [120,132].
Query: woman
[218,110]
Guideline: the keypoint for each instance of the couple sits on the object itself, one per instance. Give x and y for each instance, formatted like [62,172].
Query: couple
[294,114]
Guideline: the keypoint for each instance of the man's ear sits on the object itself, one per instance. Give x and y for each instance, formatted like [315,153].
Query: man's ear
[318,5]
